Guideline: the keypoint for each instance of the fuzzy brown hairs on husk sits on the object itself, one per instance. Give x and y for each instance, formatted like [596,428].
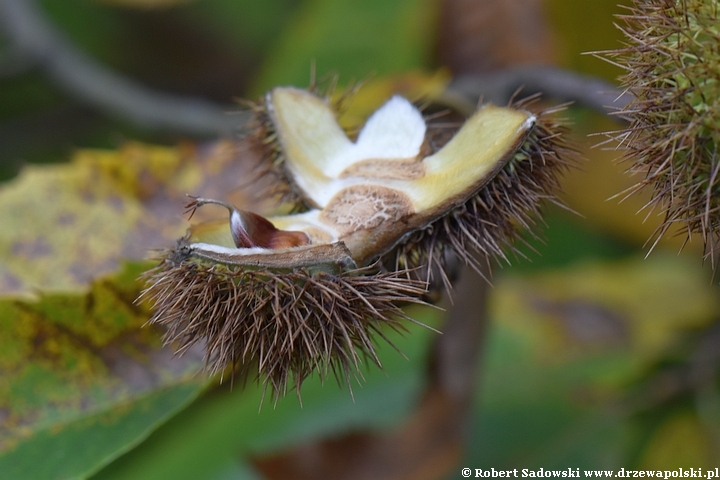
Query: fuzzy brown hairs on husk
[264,138]
[283,324]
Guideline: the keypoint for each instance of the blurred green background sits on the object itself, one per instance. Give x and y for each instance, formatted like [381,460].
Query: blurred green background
[596,358]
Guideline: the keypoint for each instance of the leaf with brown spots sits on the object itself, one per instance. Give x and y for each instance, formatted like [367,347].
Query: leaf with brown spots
[83,380]
[64,225]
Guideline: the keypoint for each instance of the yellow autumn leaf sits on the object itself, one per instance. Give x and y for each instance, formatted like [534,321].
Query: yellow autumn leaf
[416,86]
[680,442]
[595,191]
[638,305]
[64,225]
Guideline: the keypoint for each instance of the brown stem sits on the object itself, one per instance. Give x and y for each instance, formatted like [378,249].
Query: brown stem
[454,368]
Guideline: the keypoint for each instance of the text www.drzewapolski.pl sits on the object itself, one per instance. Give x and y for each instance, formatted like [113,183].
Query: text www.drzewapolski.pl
[707,474]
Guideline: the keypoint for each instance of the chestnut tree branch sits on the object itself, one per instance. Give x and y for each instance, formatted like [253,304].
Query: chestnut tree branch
[553,82]
[30,31]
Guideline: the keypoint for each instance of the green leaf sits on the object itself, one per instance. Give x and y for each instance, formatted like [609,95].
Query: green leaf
[353,39]
[576,36]
[83,379]
[212,436]
[144,4]
[77,448]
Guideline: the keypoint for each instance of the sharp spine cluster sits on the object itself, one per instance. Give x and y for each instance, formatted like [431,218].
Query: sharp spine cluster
[672,67]
[488,226]
[286,323]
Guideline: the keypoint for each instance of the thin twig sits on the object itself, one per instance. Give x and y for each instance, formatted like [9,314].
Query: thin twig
[557,83]
[29,30]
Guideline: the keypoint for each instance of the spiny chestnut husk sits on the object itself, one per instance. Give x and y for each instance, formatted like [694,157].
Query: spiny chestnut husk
[287,319]
[672,65]
[293,294]
[488,225]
